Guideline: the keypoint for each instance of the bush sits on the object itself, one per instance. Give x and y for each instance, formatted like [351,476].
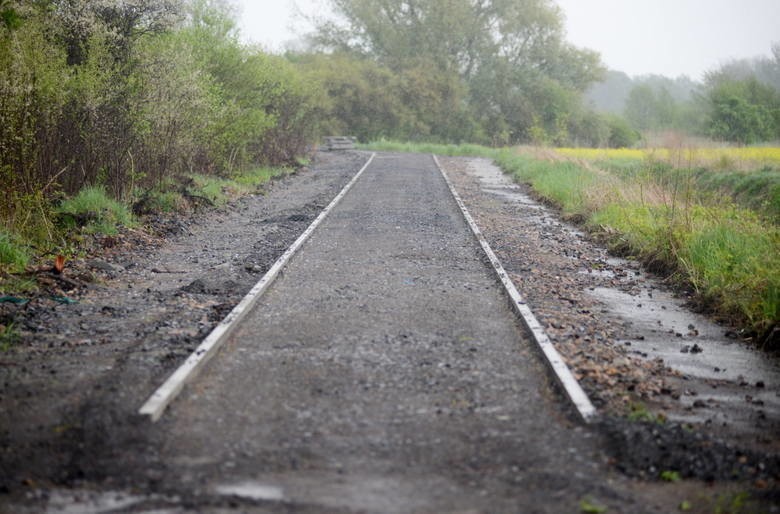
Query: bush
[621,135]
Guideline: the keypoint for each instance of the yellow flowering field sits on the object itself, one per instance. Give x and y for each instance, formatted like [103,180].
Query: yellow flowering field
[683,156]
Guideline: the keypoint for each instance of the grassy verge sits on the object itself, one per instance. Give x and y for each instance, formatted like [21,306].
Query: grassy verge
[729,254]
[92,211]
[220,190]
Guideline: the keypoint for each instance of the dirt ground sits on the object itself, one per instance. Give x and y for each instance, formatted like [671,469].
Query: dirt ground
[81,369]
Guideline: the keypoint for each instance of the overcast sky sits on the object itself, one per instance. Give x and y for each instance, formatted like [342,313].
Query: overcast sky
[668,37]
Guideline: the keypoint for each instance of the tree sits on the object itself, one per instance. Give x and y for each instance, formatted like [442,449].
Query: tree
[510,55]
[744,111]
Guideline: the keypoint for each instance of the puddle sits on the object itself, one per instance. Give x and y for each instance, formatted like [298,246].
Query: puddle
[97,502]
[670,331]
[747,381]
[603,273]
[252,491]
[493,181]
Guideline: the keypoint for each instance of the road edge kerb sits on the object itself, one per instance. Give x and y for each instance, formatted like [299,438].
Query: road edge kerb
[159,400]
[574,392]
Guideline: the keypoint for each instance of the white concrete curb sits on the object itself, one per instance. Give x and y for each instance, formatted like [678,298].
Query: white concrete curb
[165,394]
[562,372]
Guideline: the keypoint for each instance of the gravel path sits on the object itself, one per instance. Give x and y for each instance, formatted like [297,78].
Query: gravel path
[382,372]
[81,371]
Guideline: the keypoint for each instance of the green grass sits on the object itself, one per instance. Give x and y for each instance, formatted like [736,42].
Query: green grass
[757,190]
[589,506]
[670,476]
[728,252]
[219,190]
[8,337]
[162,201]
[13,255]
[433,148]
[95,211]
[252,181]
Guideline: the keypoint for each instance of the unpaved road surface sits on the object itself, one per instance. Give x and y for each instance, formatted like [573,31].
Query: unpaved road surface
[382,372]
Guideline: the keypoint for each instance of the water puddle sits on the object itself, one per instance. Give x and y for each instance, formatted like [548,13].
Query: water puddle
[687,342]
[251,491]
[725,381]
[100,502]
[494,182]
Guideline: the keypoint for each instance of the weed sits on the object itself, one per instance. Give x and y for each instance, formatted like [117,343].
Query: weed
[252,181]
[17,284]
[670,476]
[733,503]
[638,412]
[8,337]
[587,506]
[13,255]
[219,190]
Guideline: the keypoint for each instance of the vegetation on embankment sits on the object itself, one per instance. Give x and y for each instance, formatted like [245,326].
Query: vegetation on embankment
[727,253]
[109,107]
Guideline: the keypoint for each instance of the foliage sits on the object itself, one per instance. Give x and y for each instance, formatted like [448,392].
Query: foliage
[13,255]
[8,337]
[621,135]
[489,72]
[648,108]
[670,476]
[94,210]
[588,506]
[219,190]
[743,111]
[749,176]
[101,95]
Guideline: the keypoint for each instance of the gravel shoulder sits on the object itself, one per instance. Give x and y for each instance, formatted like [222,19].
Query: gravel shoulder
[635,348]
[81,370]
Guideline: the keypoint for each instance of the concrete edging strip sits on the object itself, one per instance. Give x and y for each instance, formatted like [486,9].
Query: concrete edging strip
[165,394]
[563,374]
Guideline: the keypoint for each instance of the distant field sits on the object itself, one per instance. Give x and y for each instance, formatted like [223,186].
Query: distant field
[743,158]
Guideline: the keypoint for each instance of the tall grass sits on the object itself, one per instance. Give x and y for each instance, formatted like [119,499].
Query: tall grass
[13,255]
[94,210]
[219,190]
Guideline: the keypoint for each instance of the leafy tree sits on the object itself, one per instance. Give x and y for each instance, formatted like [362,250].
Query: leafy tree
[649,108]
[621,135]
[745,111]
[509,55]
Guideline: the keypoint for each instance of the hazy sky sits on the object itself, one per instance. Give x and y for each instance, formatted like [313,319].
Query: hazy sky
[668,37]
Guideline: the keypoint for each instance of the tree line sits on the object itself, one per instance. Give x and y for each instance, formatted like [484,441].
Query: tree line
[130,94]
[737,102]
